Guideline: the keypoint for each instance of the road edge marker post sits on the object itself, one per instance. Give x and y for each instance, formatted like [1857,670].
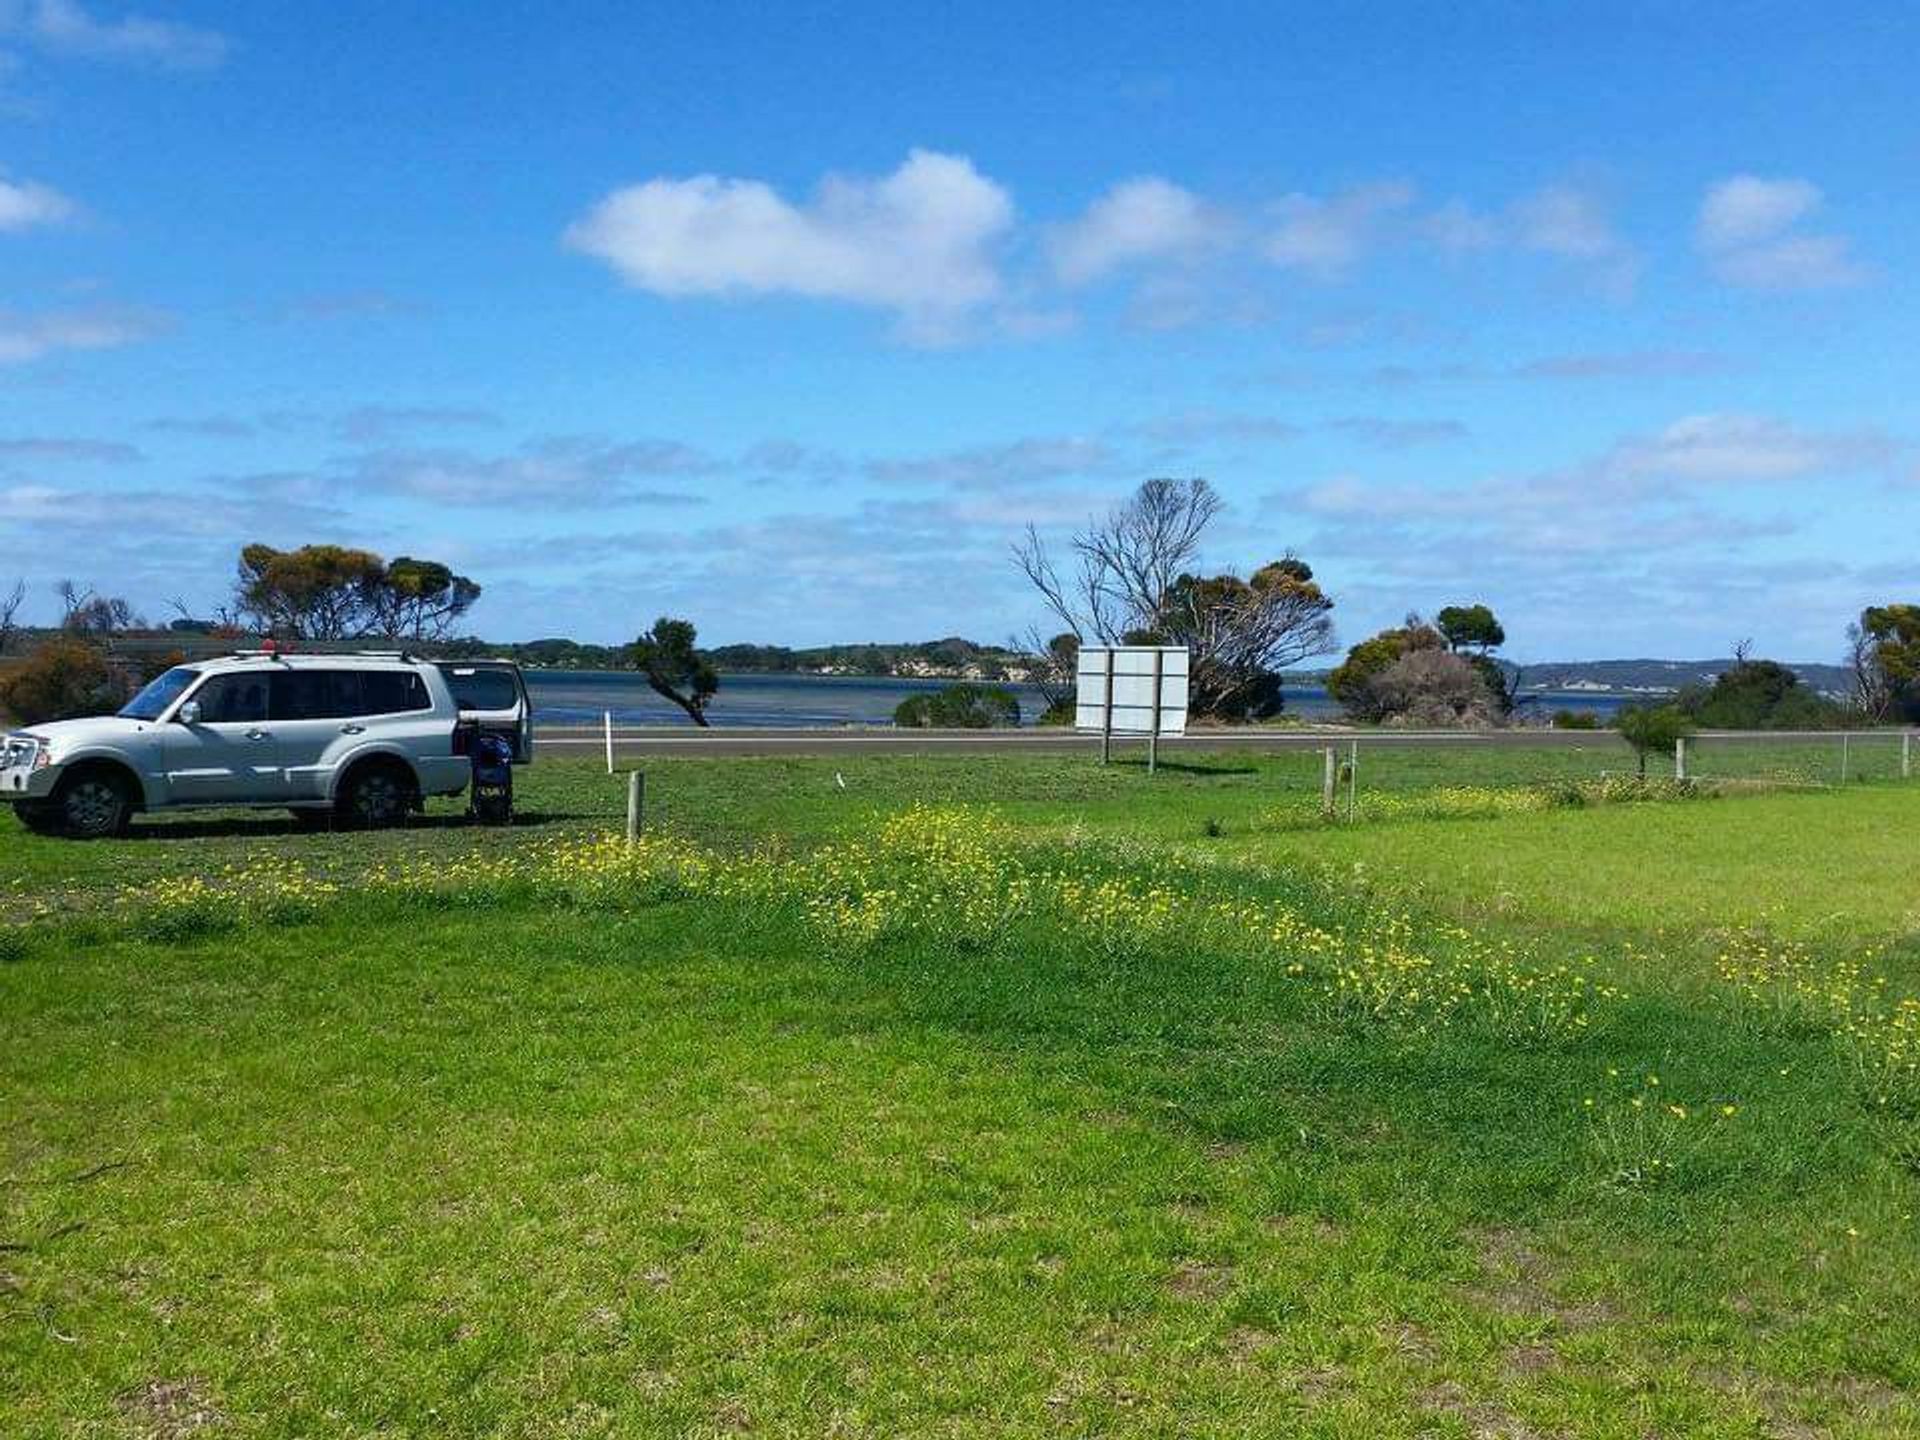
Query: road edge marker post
[1327,782]
[1680,758]
[606,722]
[1353,782]
[1906,755]
[1846,754]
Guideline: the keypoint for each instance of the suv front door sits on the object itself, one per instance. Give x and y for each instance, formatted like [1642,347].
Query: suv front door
[227,751]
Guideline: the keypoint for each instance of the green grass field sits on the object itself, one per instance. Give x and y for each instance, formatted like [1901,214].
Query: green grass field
[1085,1102]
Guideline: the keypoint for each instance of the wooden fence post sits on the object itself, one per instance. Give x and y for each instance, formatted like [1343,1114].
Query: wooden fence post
[1327,782]
[1353,782]
[636,801]
[1906,755]
[1680,758]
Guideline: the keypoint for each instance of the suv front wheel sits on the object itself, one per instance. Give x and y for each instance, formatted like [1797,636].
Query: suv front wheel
[375,796]
[92,805]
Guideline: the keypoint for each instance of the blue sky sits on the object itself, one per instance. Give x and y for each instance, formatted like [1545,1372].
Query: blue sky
[788,319]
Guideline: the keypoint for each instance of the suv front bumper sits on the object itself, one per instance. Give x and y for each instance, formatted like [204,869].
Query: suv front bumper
[22,776]
[23,782]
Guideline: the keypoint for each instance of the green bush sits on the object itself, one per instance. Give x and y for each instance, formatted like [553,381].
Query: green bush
[960,707]
[63,679]
[1652,729]
[1575,720]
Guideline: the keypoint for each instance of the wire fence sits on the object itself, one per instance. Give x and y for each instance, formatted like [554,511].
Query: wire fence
[1839,759]
[1374,777]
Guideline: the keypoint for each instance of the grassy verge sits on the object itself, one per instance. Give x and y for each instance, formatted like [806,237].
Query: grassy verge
[1087,1122]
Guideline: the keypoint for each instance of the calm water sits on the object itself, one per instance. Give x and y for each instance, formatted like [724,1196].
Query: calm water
[579,697]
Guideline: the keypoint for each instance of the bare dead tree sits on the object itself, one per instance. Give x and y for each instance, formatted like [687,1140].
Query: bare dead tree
[10,604]
[1872,692]
[1132,573]
[88,612]
[1127,562]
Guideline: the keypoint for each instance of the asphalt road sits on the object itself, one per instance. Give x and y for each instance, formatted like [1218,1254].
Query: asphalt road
[879,740]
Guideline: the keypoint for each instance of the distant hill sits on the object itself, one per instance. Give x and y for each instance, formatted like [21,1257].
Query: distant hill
[954,657]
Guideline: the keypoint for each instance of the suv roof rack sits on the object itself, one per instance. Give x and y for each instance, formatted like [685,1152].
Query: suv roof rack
[277,654]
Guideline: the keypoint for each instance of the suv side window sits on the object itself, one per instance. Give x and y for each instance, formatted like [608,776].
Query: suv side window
[482,689]
[316,694]
[233,699]
[390,692]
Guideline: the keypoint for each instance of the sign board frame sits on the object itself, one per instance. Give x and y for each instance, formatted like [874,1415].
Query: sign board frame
[1132,690]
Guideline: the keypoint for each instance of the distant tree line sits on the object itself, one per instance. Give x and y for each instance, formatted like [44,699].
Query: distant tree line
[1132,577]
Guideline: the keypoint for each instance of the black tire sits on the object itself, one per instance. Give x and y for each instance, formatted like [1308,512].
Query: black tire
[93,805]
[40,819]
[375,796]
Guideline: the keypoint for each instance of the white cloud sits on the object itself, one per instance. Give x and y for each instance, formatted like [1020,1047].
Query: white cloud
[1137,220]
[25,337]
[559,471]
[920,242]
[1325,236]
[1006,469]
[1633,508]
[1565,221]
[1747,209]
[25,204]
[65,27]
[1458,228]
[1748,232]
[43,448]
[1755,449]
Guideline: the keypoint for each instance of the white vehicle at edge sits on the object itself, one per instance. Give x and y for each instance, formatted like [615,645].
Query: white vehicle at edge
[360,738]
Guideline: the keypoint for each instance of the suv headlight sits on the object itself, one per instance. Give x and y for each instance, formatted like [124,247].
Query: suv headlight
[42,757]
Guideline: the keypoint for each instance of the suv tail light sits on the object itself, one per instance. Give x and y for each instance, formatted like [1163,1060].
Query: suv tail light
[463,734]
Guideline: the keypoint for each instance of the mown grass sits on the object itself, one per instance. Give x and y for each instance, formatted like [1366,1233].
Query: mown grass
[677,1163]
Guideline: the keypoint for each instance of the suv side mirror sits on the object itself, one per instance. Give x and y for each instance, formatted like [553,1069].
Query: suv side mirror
[189,713]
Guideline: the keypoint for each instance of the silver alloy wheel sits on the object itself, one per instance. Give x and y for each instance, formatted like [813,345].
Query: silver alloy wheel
[92,807]
[378,798]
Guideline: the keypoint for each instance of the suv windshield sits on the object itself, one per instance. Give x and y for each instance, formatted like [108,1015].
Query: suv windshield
[160,692]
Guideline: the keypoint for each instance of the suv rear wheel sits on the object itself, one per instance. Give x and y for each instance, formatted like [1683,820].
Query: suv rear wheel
[93,805]
[376,795]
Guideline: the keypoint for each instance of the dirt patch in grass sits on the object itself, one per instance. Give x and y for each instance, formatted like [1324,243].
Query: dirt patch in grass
[1483,1419]
[166,1409]
[1200,1280]
[1518,1281]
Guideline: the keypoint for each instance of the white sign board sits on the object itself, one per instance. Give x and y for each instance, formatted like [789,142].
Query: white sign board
[1124,689]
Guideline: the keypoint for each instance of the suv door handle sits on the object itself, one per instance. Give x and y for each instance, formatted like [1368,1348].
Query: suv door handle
[258,735]
[353,729]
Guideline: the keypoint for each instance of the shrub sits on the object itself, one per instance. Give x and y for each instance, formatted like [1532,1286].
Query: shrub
[1434,687]
[1060,712]
[1575,720]
[960,707]
[63,679]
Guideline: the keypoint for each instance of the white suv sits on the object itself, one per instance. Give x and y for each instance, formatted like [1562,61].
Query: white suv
[361,738]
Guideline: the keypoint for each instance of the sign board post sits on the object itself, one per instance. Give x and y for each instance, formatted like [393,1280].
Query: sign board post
[1131,690]
[1106,709]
